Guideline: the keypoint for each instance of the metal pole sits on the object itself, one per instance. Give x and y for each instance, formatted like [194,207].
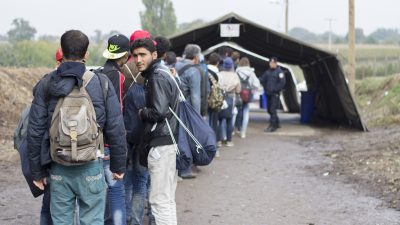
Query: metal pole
[330,20]
[287,17]
[352,40]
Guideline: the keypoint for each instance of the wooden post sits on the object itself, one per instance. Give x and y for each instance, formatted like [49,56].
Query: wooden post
[352,40]
[287,17]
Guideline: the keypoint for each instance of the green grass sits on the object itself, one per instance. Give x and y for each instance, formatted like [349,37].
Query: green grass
[379,100]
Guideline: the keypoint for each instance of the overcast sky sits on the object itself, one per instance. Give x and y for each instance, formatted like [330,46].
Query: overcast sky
[54,17]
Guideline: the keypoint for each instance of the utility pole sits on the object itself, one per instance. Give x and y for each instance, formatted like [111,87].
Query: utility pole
[286,16]
[278,2]
[330,20]
[352,40]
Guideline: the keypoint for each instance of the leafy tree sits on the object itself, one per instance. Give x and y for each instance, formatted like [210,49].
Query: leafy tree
[189,25]
[49,38]
[21,31]
[387,36]
[303,34]
[3,37]
[98,36]
[159,17]
[360,36]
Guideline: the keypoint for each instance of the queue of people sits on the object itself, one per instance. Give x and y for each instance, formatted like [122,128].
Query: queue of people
[116,119]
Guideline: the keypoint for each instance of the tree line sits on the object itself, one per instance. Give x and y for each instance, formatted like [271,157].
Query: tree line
[158,18]
[385,36]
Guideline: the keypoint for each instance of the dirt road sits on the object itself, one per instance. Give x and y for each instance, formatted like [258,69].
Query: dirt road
[264,180]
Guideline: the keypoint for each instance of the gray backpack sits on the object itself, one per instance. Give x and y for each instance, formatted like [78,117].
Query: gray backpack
[75,136]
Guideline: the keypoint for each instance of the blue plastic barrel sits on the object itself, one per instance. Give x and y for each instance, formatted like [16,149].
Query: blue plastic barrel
[307,106]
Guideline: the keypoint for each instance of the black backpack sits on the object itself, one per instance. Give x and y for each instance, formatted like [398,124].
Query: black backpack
[246,93]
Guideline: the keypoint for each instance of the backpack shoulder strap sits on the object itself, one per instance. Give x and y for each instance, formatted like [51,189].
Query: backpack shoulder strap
[184,68]
[212,79]
[87,77]
[103,82]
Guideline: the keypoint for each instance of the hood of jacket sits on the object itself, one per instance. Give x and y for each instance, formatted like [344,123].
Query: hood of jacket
[68,75]
[244,71]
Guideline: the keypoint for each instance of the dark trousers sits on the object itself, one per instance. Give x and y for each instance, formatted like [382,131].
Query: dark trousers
[213,121]
[273,104]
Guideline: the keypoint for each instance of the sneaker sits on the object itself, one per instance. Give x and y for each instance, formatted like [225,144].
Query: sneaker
[270,129]
[242,135]
[188,176]
[217,155]
[219,144]
[229,144]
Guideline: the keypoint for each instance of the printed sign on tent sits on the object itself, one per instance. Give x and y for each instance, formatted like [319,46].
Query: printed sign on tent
[230,30]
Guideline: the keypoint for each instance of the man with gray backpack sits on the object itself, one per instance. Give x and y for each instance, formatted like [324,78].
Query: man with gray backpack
[67,122]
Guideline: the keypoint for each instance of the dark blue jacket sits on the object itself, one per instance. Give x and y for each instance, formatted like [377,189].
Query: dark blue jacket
[133,101]
[108,115]
[273,81]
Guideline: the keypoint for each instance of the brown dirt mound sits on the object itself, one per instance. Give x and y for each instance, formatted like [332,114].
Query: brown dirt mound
[16,86]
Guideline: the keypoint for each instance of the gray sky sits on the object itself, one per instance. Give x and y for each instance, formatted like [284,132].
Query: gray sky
[55,17]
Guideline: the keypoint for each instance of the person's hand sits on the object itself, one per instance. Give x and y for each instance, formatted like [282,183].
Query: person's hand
[118,176]
[40,183]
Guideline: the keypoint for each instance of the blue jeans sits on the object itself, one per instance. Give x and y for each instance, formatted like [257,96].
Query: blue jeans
[225,128]
[84,183]
[245,112]
[115,212]
[213,121]
[45,216]
[136,183]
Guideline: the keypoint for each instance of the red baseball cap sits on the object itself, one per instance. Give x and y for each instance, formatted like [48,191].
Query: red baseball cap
[59,55]
[139,34]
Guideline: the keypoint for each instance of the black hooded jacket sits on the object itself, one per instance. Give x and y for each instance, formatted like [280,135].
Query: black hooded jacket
[161,93]
[60,84]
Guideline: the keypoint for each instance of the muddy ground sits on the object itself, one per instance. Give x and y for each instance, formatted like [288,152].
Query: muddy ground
[299,175]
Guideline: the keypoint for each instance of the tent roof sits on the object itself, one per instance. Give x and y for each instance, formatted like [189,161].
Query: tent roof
[253,37]
[322,70]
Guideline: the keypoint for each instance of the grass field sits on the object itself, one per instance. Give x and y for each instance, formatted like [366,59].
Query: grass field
[371,60]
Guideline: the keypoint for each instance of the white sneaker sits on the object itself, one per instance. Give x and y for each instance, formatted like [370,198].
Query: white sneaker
[229,144]
[217,155]
[243,135]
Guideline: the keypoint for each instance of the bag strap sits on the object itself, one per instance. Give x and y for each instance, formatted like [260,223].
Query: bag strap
[172,137]
[133,77]
[213,80]
[181,96]
[87,77]
[184,68]
[198,145]
[129,70]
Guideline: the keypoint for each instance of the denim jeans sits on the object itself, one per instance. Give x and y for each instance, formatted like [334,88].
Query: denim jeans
[239,119]
[84,183]
[213,121]
[225,128]
[245,118]
[45,216]
[115,212]
[136,183]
